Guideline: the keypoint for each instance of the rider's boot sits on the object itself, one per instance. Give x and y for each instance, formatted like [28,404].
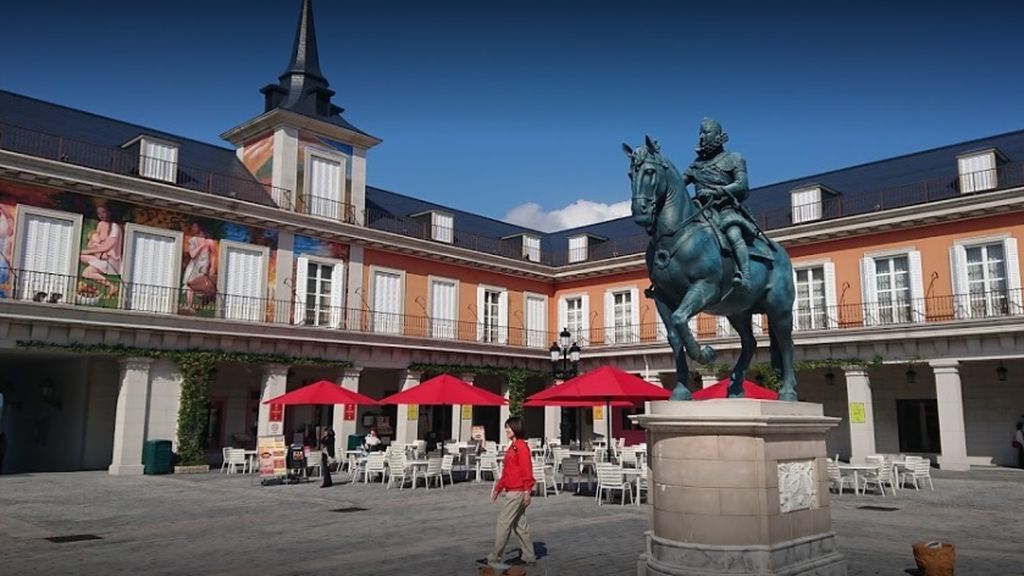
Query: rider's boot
[741,254]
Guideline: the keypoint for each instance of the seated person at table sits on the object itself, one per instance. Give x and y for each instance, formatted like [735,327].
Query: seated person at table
[372,442]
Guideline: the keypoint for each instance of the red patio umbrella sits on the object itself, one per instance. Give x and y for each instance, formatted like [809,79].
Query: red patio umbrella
[605,385]
[322,392]
[446,390]
[576,403]
[750,390]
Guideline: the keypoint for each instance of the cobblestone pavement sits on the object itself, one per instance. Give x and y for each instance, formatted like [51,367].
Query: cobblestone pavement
[221,524]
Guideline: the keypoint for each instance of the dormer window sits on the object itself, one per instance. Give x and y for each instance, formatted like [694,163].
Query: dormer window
[440,226]
[578,248]
[531,248]
[158,159]
[977,170]
[806,204]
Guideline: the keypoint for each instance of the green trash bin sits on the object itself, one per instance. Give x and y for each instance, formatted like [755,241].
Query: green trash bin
[156,457]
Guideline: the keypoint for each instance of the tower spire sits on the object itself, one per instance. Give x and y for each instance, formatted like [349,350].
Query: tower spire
[302,87]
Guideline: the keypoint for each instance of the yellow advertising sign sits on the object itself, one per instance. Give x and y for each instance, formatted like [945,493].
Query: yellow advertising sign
[467,412]
[414,412]
[598,411]
[857,413]
[271,453]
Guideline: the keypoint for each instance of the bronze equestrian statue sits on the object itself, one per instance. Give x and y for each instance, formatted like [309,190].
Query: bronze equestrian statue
[707,254]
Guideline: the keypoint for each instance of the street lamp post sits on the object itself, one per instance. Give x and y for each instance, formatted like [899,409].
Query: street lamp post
[565,356]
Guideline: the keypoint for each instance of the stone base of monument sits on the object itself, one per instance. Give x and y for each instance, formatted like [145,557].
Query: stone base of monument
[738,486]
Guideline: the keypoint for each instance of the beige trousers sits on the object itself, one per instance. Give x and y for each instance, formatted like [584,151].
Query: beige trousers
[512,518]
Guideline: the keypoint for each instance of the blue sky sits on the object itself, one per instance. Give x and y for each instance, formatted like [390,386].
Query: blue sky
[487,106]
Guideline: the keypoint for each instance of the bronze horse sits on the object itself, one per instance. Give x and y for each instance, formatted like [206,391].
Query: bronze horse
[691,273]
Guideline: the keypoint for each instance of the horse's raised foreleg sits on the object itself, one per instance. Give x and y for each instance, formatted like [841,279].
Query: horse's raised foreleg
[680,392]
[699,296]
[742,324]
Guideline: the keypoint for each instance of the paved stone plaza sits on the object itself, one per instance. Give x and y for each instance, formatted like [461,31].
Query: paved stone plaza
[220,524]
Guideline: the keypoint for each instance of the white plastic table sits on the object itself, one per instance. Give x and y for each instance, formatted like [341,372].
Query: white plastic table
[857,468]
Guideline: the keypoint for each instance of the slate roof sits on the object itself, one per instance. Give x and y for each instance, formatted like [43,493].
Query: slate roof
[86,134]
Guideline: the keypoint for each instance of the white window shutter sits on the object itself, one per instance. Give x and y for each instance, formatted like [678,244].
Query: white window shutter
[867,286]
[480,313]
[1013,276]
[634,314]
[796,305]
[337,295]
[917,303]
[584,338]
[301,279]
[503,317]
[609,318]
[757,324]
[831,304]
[958,276]
[724,328]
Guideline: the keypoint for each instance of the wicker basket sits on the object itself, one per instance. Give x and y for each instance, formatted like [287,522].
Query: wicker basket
[935,558]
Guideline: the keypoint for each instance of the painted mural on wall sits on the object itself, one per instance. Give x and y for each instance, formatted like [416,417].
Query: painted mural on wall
[101,257]
[307,246]
[258,157]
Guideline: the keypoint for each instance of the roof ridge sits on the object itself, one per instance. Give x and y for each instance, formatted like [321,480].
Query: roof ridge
[490,218]
[890,159]
[153,131]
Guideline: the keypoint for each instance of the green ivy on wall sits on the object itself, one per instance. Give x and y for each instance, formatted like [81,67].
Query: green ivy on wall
[516,378]
[198,368]
[771,380]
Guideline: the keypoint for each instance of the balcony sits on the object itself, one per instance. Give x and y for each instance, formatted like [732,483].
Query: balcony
[37,288]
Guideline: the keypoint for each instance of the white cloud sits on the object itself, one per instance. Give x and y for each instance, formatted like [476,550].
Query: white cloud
[579,213]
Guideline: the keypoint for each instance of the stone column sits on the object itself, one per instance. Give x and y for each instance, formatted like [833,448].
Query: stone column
[553,419]
[503,413]
[406,430]
[275,383]
[950,400]
[349,380]
[860,414]
[354,291]
[130,416]
[655,379]
[461,429]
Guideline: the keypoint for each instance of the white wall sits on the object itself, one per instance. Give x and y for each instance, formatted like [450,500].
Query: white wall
[811,387]
[889,384]
[98,445]
[991,411]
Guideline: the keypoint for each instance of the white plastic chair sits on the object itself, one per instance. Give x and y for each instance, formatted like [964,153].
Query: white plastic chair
[224,459]
[488,462]
[447,462]
[540,476]
[397,469]
[570,468]
[313,463]
[236,459]
[627,457]
[611,478]
[919,469]
[433,472]
[374,465]
[879,476]
[641,484]
[835,476]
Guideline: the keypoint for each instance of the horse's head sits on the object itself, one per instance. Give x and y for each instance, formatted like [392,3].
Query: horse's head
[651,176]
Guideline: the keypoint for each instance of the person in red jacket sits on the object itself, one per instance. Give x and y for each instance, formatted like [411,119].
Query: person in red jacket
[515,486]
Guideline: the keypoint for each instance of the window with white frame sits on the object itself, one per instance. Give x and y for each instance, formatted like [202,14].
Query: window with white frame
[153,262]
[442,227]
[324,184]
[444,308]
[386,316]
[806,205]
[47,254]
[577,248]
[573,315]
[536,321]
[319,292]
[813,307]
[893,289]
[986,278]
[243,281]
[492,311]
[724,329]
[621,316]
[531,248]
[158,160]
[977,171]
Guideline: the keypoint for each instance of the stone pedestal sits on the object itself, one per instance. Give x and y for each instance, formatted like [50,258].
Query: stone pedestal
[738,486]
